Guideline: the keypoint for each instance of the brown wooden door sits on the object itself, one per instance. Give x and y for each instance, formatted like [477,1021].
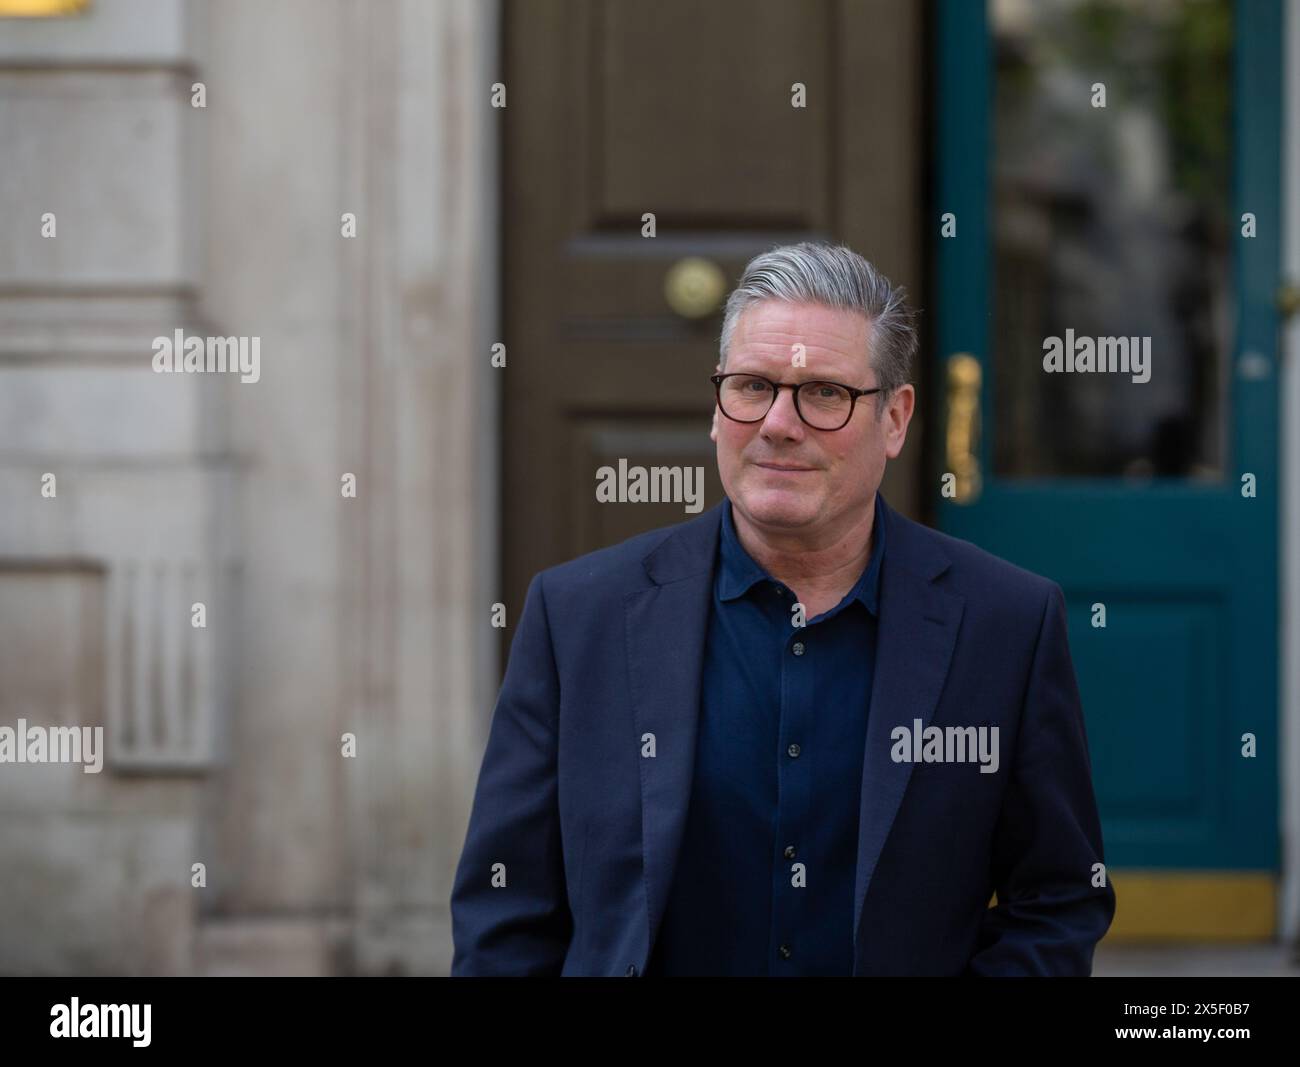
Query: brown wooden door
[684,109]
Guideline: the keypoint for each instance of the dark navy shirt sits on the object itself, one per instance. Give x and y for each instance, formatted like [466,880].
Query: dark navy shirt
[777,781]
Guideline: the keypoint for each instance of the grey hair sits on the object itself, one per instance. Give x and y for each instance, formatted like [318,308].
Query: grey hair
[836,277]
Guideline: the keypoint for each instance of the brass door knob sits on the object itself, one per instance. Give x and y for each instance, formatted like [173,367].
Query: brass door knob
[963,430]
[694,287]
[1288,299]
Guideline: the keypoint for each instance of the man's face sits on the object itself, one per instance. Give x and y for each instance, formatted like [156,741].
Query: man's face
[837,471]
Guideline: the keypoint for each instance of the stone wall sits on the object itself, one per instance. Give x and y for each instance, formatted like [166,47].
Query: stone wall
[325,614]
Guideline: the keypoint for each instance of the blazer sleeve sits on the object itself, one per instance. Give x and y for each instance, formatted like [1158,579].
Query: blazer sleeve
[521,926]
[1049,915]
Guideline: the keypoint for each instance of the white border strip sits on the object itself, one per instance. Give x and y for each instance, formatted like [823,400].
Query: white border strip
[1289,546]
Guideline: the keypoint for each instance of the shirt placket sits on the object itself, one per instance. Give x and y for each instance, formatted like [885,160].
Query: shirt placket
[793,791]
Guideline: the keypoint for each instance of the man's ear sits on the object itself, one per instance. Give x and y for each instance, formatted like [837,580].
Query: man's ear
[899,412]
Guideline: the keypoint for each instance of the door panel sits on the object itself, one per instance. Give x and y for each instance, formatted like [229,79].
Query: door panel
[1126,221]
[683,110]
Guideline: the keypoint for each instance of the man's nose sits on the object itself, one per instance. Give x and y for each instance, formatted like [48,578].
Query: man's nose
[783,417]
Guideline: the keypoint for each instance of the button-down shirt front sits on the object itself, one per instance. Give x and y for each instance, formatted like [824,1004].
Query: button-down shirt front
[765,874]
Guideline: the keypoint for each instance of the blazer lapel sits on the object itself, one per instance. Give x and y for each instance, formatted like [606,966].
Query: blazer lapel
[666,628]
[914,645]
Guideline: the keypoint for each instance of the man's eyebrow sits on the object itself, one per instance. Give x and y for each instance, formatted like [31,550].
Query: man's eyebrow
[810,374]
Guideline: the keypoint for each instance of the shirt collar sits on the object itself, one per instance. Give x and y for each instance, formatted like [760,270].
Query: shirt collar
[738,572]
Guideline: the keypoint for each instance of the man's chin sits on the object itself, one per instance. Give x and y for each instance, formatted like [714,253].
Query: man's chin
[780,509]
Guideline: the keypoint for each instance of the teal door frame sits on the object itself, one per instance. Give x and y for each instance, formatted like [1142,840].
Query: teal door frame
[1194,563]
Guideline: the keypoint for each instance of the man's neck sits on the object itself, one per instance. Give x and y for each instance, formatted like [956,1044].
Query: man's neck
[832,561]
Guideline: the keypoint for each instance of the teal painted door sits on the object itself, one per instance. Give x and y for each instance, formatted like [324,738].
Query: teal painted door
[1094,164]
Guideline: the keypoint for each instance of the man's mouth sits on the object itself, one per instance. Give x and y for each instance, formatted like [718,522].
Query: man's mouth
[784,468]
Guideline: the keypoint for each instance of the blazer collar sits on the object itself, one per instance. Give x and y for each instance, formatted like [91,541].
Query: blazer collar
[692,547]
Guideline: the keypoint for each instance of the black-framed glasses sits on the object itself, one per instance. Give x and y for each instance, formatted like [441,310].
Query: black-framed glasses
[822,405]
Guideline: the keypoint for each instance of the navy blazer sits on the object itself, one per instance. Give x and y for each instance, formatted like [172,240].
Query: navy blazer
[585,781]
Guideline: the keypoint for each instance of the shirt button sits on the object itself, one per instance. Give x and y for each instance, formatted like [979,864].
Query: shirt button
[797,648]
[793,750]
[778,590]
[789,852]
[785,952]
[631,971]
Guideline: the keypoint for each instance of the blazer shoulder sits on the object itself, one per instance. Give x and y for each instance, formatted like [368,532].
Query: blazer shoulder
[621,566]
[977,573]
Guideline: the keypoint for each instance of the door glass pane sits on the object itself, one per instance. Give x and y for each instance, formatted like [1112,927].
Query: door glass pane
[1111,223]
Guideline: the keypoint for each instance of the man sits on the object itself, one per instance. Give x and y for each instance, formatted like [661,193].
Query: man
[799,734]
